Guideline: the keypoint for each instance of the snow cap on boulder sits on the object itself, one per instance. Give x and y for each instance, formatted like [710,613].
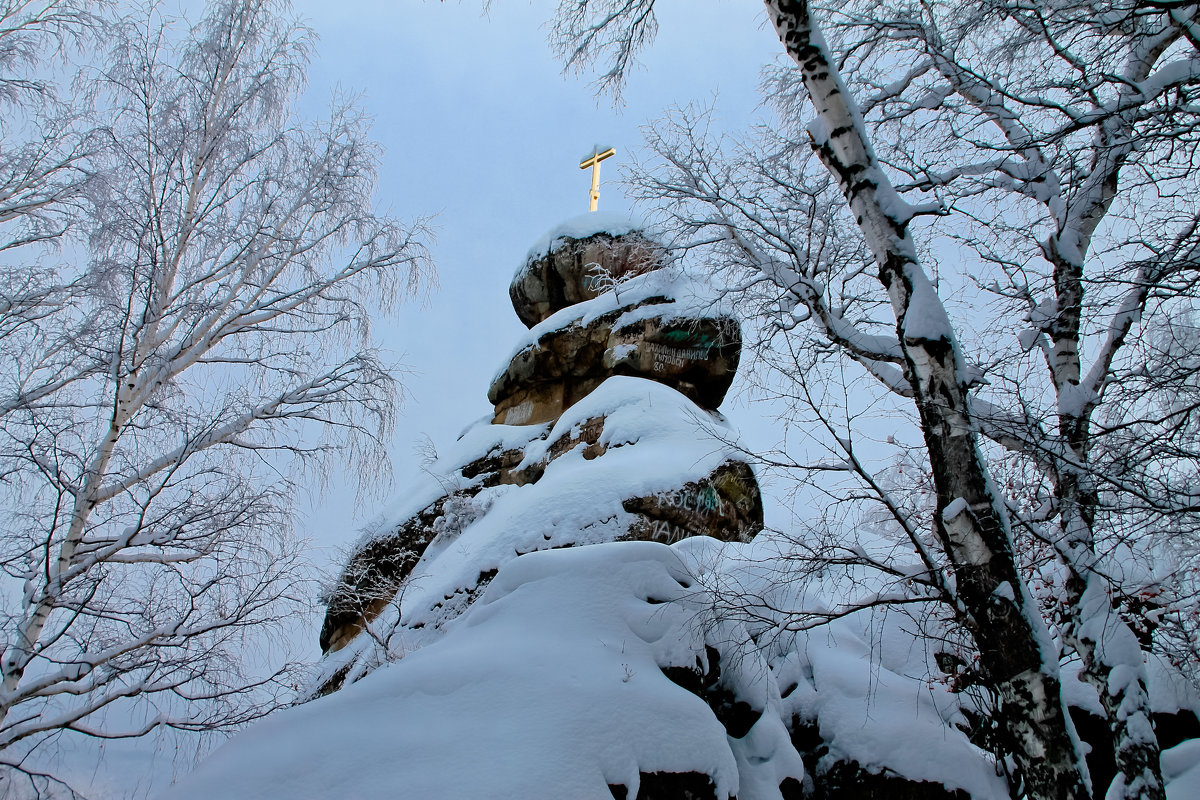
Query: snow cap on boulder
[579,259]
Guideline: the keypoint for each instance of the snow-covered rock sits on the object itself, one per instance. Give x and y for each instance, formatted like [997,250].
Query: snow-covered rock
[605,430]
[698,356]
[632,460]
[578,260]
[579,673]
[640,319]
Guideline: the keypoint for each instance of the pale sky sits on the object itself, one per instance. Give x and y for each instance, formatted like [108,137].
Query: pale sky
[482,129]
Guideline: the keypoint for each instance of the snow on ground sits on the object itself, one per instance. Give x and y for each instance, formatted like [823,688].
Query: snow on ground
[548,687]
[872,697]
[867,680]
[1181,770]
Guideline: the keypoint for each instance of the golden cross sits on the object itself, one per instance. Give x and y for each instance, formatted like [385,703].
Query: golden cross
[594,162]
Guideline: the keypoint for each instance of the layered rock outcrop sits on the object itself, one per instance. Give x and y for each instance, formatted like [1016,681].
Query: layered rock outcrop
[632,328]
[605,415]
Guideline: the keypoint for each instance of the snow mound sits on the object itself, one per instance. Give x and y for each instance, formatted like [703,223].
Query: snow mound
[864,684]
[550,686]
[1181,770]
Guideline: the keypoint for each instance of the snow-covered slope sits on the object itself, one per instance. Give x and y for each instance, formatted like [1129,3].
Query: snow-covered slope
[551,686]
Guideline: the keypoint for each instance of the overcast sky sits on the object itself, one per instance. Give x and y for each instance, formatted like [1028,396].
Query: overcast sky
[482,128]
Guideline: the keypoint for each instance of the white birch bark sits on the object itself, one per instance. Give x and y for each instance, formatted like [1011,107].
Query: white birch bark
[970,518]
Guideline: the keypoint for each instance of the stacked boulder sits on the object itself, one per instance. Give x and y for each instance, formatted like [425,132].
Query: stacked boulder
[605,429]
[648,335]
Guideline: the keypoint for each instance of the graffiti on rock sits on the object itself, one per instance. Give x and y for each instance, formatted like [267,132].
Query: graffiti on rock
[666,357]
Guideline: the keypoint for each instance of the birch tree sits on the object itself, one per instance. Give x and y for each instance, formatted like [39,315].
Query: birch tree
[1039,160]
[165,401]
[44,146]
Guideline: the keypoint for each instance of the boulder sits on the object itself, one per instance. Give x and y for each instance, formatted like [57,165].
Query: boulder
[379,565]
[697,357]
[726,505]
[575,270]
[376,570]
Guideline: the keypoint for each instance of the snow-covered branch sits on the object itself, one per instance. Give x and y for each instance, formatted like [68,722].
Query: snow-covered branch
[160,395]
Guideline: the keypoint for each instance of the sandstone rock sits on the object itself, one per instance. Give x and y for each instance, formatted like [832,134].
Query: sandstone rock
[375,571]
[575,270]
[377,568]
[726,505]
[734,713]
[631,325]
[697,357]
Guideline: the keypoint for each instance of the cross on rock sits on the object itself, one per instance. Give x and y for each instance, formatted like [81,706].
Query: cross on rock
[593,161]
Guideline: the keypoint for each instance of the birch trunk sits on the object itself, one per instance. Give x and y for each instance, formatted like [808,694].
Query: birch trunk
[1112,659]
[1015,652]
[1113,663]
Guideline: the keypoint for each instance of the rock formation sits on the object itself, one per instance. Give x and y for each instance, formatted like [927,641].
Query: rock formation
[601,312]
[571,352]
